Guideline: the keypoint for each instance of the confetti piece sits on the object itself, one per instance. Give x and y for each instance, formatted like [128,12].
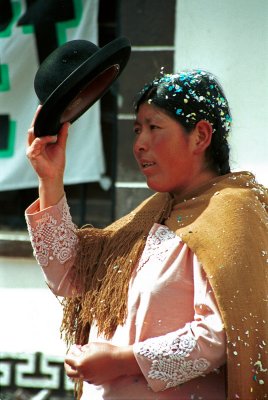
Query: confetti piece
[259,365]
[195,87]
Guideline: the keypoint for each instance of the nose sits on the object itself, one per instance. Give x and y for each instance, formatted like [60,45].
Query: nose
[141,143]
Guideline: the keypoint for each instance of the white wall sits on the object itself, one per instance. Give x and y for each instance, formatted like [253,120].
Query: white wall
[230,39]
[30,314]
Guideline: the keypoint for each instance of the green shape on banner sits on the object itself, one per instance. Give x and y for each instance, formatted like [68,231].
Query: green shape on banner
[28,29]
[9,151]
[61,27]
[4,78]
[16,10]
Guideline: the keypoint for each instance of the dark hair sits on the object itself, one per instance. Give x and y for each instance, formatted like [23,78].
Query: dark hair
[189,97]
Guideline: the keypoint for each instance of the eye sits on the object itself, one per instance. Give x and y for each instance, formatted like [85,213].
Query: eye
[153,127]
[137,130]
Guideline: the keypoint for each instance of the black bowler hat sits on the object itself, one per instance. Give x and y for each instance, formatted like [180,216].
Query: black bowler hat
[73,77]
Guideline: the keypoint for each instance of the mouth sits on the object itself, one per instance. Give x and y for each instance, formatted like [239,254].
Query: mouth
[147,164]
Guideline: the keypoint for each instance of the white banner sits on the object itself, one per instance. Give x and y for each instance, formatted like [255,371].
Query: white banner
[230,39]
[30,32]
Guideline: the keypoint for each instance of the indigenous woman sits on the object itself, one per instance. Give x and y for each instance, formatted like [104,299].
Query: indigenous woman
[170,301]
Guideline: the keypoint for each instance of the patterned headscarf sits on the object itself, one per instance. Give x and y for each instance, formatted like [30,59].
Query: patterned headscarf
[190,96]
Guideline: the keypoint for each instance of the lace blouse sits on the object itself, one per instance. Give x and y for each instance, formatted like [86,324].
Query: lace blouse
[173,321]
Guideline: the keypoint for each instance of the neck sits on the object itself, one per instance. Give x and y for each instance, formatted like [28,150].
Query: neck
[198,181]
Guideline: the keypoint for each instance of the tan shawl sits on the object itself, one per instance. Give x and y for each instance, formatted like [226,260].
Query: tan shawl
[225,223]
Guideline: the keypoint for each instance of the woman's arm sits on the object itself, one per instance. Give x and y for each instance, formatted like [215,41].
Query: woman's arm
[51,230]
[47,157]
[54,241]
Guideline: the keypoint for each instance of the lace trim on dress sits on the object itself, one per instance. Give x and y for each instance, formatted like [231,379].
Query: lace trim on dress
[155,245]
[169,359]
[50,240]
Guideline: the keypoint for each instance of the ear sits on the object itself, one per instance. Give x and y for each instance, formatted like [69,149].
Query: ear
[202,135]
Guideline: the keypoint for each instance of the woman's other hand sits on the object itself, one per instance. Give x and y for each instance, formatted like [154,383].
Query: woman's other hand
[98,362]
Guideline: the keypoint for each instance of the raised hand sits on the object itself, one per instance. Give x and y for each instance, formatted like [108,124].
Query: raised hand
[47,155]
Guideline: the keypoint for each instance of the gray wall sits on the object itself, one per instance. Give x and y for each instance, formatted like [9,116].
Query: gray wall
[150,26]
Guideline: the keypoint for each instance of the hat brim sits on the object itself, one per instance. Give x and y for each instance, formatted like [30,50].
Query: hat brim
[83,87]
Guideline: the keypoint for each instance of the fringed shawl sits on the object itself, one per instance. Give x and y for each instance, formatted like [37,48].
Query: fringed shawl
[225,223]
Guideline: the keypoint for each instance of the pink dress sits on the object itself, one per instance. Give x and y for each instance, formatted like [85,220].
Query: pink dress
[173,321]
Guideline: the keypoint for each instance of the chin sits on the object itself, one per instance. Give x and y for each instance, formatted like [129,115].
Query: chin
[157,188]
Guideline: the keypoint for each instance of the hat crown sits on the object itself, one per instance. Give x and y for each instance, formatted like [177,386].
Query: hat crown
[60,64]
[73,77]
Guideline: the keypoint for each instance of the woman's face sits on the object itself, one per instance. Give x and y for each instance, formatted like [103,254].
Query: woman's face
[164,151]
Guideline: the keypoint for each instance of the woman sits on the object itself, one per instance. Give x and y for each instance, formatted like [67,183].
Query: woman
[158,304]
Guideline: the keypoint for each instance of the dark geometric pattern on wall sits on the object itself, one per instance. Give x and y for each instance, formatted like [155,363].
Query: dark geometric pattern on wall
[37,371]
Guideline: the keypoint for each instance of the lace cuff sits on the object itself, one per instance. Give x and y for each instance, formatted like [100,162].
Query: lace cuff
[168,361]
[52,233]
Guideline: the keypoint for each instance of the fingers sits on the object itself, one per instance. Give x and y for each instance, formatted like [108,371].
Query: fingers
[71,371]
[46,139]
[35,115]
[72,367]
[73,362]
[61,138]
[63,133]
[72,358]
[37,145]
[31,136]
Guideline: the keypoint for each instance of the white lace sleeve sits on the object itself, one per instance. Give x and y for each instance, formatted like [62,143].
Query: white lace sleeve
[170,359]
[54,241]
[53,236]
